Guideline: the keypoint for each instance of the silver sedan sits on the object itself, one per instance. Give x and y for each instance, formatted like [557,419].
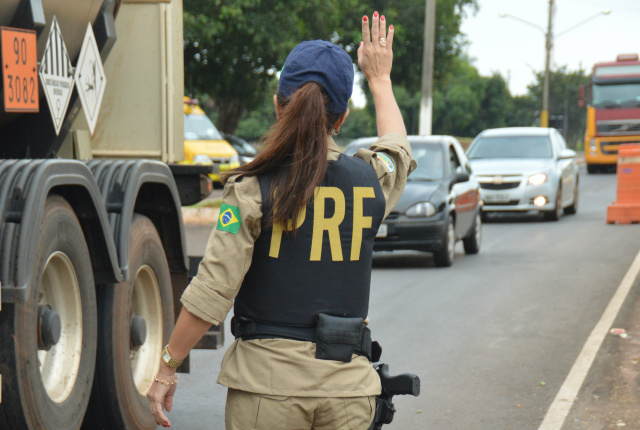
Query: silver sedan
[524,169]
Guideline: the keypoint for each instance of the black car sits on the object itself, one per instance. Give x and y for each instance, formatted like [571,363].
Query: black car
[245,150]
[440,204]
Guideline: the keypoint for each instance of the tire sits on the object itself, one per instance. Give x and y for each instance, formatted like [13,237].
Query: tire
[124,374]
[573,209]
[50,389]
[445,255]
[556,213]
[473,241]
[592,169]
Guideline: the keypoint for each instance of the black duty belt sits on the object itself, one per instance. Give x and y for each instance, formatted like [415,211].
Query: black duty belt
[247,329]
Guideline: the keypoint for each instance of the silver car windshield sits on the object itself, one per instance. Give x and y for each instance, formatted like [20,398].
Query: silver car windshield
[511,147]
[199,127]
[430,159]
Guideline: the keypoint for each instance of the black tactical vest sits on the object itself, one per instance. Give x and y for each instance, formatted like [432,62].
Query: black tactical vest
[326,267]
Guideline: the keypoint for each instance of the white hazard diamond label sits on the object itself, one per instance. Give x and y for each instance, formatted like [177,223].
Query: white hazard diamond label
[90,78]
[56,75]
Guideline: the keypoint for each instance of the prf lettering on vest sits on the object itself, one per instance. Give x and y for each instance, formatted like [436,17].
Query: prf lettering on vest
[330,225]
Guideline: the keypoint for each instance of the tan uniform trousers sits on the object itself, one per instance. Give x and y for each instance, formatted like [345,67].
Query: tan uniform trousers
[249,411]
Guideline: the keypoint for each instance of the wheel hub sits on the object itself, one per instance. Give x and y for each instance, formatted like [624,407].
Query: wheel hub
[49,327]
[59,331]
[138,331]
[146,328]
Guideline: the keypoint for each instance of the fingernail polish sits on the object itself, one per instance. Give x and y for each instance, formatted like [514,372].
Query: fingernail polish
[391,27]
[361,43]
[375,14]
[382,18]
[365,19]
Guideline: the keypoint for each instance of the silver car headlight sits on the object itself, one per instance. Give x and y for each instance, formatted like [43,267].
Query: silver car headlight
[593,146]
[423,209]
[538,179]
[201,158]
[234,159]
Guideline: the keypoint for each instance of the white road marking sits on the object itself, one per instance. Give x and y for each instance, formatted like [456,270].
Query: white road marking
[563,402]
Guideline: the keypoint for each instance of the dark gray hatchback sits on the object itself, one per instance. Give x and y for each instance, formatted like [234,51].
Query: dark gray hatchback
[440,204]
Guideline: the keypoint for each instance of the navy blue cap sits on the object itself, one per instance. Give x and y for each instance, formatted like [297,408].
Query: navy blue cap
[322,62]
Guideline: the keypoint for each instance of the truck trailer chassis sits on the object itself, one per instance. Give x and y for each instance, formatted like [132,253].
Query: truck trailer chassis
[92,247]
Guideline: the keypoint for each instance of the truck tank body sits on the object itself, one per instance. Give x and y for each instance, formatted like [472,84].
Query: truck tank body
[144,85]
[92,246]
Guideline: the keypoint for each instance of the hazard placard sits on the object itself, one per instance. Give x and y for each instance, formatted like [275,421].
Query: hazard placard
[56,75]
[19,70]
[90,78]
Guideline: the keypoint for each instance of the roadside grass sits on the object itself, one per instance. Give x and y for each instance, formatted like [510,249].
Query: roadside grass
[465,142]
[208,203]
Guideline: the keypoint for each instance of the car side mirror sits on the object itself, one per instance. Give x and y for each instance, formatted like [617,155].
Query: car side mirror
[458,178]
[581,102]
[566,154]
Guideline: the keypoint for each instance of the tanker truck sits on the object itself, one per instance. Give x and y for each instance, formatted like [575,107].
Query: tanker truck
[92,245]
[613,111]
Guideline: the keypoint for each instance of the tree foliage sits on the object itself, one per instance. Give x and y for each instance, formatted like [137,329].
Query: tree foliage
[563,101]
[234,47]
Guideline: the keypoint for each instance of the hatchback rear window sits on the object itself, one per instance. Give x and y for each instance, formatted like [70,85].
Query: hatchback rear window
[511,147]
[199,127]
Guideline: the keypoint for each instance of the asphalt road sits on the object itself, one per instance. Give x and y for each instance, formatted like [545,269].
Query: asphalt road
[494,336]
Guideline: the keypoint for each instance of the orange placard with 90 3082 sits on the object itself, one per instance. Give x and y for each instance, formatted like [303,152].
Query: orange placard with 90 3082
[19,70]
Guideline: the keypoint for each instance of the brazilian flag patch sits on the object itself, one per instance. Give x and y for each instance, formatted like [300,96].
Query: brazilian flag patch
[388,162]
[229,219]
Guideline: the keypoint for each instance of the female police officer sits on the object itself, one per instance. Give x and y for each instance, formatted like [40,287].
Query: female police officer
[293,247]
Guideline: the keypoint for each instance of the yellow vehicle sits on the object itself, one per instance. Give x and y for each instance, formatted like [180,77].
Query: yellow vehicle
[613,112]
[203,143]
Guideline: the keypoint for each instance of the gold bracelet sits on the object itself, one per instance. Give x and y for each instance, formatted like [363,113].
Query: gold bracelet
[168,384]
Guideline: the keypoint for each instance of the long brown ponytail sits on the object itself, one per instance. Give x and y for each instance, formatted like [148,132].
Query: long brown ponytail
[295,152]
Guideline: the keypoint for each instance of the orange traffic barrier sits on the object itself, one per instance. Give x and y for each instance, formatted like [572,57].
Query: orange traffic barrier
[626,208]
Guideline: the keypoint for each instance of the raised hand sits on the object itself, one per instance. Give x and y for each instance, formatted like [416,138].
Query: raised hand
[375,54]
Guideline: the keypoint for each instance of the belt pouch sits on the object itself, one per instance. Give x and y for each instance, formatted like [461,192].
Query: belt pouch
[337,337]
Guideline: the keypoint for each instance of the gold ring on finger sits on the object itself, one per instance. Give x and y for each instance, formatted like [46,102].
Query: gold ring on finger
[383,42]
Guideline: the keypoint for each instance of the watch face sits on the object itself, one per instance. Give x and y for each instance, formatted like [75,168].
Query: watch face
[170,361]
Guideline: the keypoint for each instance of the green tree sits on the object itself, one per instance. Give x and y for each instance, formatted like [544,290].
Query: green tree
[360,123]
[233,48]
[457,103]
[496,104]
[525,111]
[563,101]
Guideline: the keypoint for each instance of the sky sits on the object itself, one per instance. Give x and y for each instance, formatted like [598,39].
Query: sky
[516,50]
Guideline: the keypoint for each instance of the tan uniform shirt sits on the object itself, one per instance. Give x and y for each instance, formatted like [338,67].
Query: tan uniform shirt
[282,366]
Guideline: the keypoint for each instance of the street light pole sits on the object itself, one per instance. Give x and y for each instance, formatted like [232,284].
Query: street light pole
[544,115]
[426,102]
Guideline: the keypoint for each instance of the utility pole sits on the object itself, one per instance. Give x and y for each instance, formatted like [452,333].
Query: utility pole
[544,115]
[426,103]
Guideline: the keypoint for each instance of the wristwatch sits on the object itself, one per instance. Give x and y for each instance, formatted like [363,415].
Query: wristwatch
[168,359]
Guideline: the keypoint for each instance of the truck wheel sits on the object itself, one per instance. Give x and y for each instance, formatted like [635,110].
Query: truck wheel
[48,343]
[473,241]
[445,255]
[135,322]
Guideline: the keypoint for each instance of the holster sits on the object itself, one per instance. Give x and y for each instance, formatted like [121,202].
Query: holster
[337,337]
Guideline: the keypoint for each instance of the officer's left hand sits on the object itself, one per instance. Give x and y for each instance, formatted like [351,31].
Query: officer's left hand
[160,395]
